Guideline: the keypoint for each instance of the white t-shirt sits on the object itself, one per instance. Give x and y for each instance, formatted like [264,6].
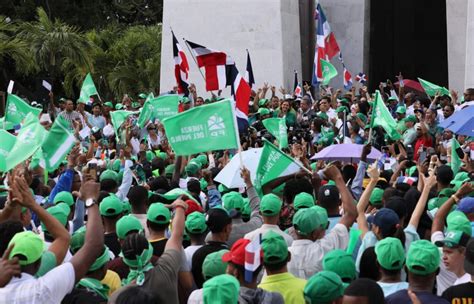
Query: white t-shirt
[50,288]
[189,252]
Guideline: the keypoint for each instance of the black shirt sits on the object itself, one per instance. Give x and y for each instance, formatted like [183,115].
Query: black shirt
[158,246]
[111,241]
[462,293]
[401,297]
[81,295]
[198,259]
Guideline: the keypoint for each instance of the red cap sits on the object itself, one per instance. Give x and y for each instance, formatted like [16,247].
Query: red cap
[192,206]
[236,254]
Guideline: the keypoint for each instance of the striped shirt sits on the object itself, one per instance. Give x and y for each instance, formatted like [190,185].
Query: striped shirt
[72,116]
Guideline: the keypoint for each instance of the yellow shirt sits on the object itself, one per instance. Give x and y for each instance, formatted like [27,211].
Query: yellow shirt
[289,286]
[112,280]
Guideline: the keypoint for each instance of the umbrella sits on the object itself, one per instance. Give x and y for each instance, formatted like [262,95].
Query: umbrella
[461,122]
[412,85]
[229,176]
[346,153]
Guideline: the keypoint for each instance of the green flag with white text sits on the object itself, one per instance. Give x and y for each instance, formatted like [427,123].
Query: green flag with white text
[273,164]
[204,128]
[161,107]
[57,144]
[118,118]
[17,109]
[29,139]
[88,89]
[456,161]
[431,89]
[328,70]
[277,127]
[382,117]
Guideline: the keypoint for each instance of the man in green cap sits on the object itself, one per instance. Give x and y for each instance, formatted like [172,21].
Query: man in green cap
[158,220]
[111,210]
[390,261]
[270,207]
[28,248]
[66,197]
[325,287]
[401,113]
[221,289]
[109,182]
[196,228]
[409,136]
[278,279]
[341,263]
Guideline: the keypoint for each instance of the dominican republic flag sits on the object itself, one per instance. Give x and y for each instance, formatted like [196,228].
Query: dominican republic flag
[296,86]
[347,79]
[181,67]
[253,255]
[214,64]
[249,72]
[361,78]
[240,91]
[326,44]
[406,180]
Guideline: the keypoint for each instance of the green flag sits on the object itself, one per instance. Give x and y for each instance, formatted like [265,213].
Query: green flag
[328,70]
[6,125]
[161,107]
[7,140]
[17,109]
[431,89]
[382,117]
[88,89]
[29,140]
[57,144]
[273,164]
[456,161]
[150,96]
[118,118]
[201,129]
[277,128]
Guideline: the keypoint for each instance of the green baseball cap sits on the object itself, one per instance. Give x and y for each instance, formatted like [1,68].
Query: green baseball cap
[323,116]
[177,192]
[169,170]
[275,249]
[233,200]
[223,288]
[126,224]
[64,197]
[362,117]
[262,102]
[306,220]
[323,216]
[127,208]
[270,205]
[111,206]
[376,197]
[401,109]
[28,246]
[423,258]
[109,104]
[446,192]
[393,98]
[213,264]
[162,155]
[390,253]
[77,240]
[323,287]
[202,159]
[118,106]
[454,239]
[342,109]
[246,211]
[195,223]
[203,184]
[149,155]
[192,168]
[109,174]
[411,118]
[341,263]
[222,189]
[303,200]
[263,111]
[458,221]
[158,213]
[459,179]
[436,202]
[60,212]
[142,95]
[185,100]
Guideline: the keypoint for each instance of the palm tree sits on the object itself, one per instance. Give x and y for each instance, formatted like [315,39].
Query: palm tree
[56,45]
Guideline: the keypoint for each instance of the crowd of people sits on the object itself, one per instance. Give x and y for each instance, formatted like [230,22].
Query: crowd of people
[125,220]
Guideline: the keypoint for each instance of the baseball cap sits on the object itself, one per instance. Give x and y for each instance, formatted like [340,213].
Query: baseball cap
[175,193]
[376,196]
[126,224]
[385,219]
[64,197]
[362,117]
[149,155]
[323,116]
[60,212]
[158,213]
[214,265]
[203,184]
[306,220]
[411,118]
[423,258]
[185,100]
[162,155]
[275,249]
[453,239]
[341,109]
[236,255]
[109,104]
[169,170]
[303,200]
[457,220]
[262,102]
[202,159]
[223,288]
[323,216]
[116,165]
[459,179]
[390,253]
[401,109]
[263,111]
[192,168]
[118,106]
[233,200]
[110,206]
[28,247]
[270,205]
[108,174]
[217,218]
[195,223]
[328,194]
[469,260]
[341,263]
[323,287]
[192,206]
[77,239]
[466,205]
